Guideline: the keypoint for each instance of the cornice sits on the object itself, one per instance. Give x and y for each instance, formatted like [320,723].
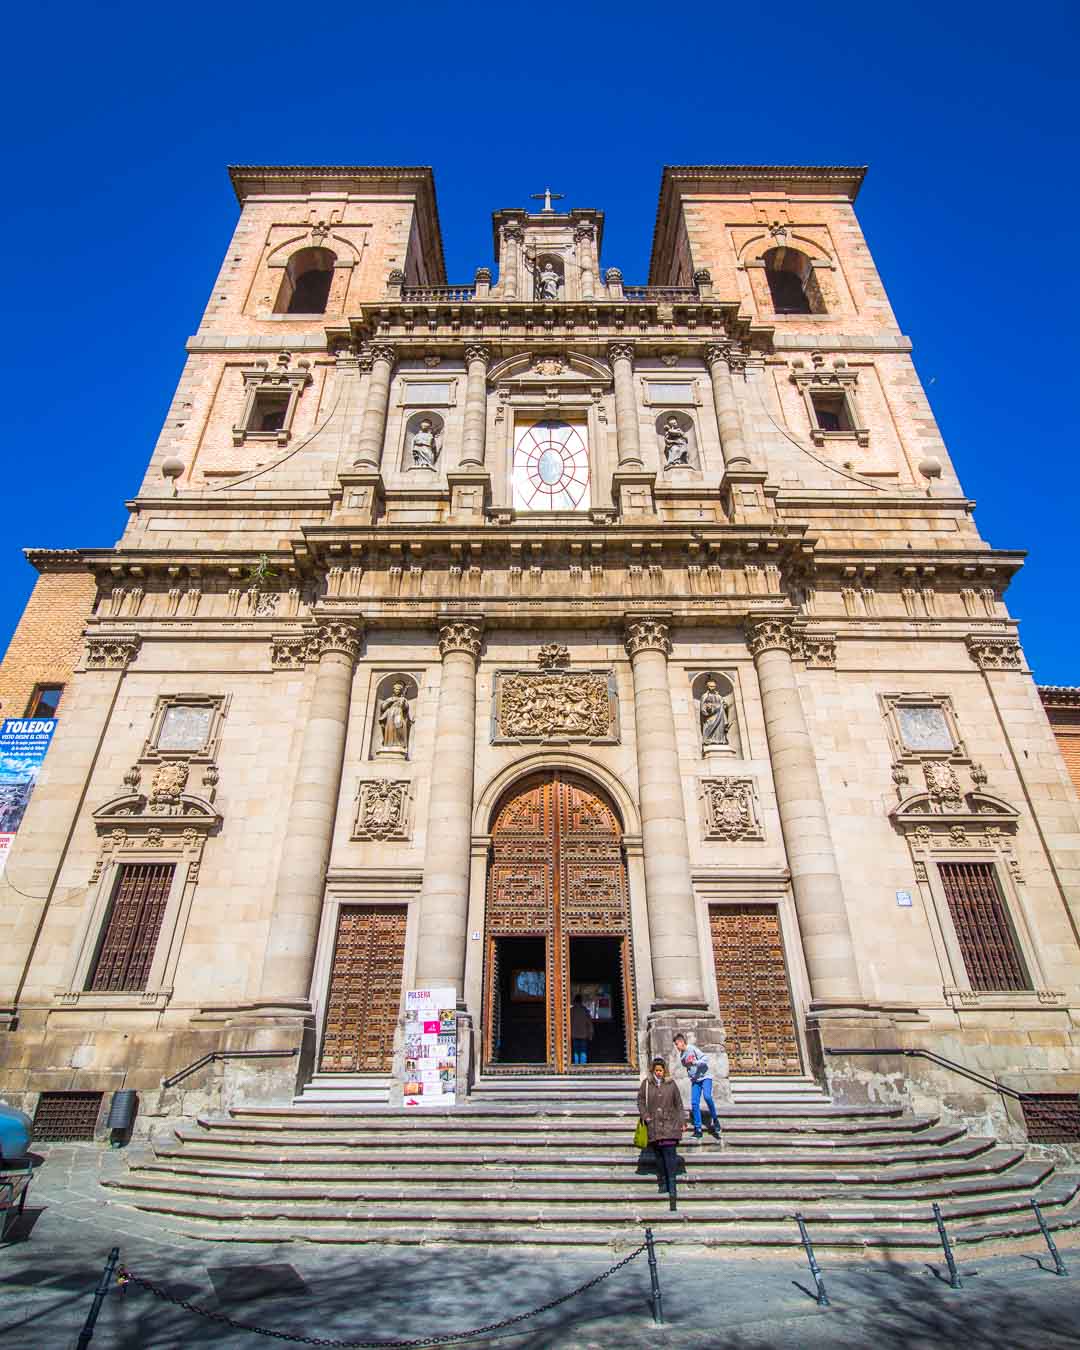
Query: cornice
[1060,695]
[64,559]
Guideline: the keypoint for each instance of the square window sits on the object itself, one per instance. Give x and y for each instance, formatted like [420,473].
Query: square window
[924,727]
[184,728]
[45,700]
[831,412]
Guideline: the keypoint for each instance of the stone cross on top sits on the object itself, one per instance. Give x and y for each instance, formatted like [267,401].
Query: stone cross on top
[547,195]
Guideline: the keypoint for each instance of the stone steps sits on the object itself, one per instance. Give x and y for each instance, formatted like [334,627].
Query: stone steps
[348,1089]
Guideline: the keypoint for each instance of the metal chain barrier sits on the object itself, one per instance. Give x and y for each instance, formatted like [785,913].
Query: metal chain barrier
[125,1277]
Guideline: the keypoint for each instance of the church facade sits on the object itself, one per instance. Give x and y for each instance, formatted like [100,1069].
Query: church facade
[545,636]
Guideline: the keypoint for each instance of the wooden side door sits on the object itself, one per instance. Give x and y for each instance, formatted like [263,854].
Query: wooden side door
[365,990]
[753,990]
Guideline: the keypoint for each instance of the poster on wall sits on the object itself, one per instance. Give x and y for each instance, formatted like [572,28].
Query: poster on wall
[430,1062]
[23,742]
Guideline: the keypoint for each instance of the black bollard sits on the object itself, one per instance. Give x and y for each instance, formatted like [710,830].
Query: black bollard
[954,1274]
[87,1333]
[654,1279]
[815,1269]
[1059,1264]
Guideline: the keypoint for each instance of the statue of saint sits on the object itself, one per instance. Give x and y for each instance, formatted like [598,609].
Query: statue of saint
[676,444]
[425,448]
[714,715]
[548,283]
[395,717]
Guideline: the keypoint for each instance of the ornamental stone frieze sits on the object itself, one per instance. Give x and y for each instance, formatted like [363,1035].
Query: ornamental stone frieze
[555,705]
[292,651]
[647,634]
[111,653]
[382,809]
[732,811]
[461,635]
[994,653]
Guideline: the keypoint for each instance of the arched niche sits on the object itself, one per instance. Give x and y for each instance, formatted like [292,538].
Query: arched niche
[675,454]
[305,287]
[394,719]
[556,264]
[717,721]
[417,456]
[792,284]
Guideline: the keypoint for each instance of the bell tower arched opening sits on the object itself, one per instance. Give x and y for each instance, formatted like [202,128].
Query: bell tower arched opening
[557,932]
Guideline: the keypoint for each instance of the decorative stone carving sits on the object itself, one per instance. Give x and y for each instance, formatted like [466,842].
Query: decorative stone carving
[382,351]
[647,634]
[943,785]
[476,351]
[818,650]
[111,653]
[548,365]
[731,810]
[460,635]
[395,717]
[552,656]
[382,809]
[621,351]
[994,653]
[763,635]
[343,636]
[287,653]
[554,705]
[169,781]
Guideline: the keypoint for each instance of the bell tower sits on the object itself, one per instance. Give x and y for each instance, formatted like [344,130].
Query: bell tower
[547,255]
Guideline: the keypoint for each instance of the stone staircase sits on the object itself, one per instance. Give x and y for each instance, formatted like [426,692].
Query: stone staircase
[345,1089]
[551,1163]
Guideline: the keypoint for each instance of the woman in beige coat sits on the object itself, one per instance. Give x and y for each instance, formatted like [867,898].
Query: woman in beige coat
[660,1106]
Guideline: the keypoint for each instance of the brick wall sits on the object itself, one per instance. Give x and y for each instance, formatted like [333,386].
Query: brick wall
[1063,709]
[45,646]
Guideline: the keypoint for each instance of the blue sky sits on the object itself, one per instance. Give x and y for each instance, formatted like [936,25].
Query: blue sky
[120,209]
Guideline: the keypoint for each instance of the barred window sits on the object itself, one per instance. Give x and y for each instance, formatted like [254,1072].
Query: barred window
[131,930]
[991,955]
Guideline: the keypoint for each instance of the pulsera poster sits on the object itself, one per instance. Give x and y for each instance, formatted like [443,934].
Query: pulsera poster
[23,743]
[430,1047]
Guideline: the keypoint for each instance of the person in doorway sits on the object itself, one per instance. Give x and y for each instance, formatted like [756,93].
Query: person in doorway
[581,1030]
[660,1106]
[696,1064]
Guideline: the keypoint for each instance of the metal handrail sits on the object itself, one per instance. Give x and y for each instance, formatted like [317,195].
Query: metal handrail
[228,1054]
[973,1074]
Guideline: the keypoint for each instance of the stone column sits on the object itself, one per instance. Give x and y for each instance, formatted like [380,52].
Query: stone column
[444,895]
[41,845]
[584,236]
[373,422]
[475,429]
[621,355]
[815,877]
[298,895]
[509,262]
[727,413]
[673,929]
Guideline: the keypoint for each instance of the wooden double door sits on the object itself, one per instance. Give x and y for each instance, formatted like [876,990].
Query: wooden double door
[753,990]
[557,924]
[364,997]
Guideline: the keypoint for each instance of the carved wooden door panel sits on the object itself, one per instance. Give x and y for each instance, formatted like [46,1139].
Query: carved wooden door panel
[754,995]
[365,990]
[556,872]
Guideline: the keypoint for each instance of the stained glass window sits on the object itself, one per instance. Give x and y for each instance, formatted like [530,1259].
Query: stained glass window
[551,468]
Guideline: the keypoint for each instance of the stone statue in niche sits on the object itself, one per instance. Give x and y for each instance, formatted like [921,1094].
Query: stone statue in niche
[547,283]
[425,446]
[676,445]
[395,717]
[715,717]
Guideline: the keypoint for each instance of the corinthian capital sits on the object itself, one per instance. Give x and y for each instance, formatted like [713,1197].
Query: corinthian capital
[620,351]
[994,653]
[716,352]
[477,352]
[461,635]
[111,652]
[342,635]
[764,635]
[383,351]
[647,634]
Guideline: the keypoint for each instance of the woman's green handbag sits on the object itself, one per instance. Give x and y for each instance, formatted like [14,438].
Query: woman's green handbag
[641,1135]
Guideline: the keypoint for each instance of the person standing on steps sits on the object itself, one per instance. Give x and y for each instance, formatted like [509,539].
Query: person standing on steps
[696,1064]
[581,1030]
[660,1106]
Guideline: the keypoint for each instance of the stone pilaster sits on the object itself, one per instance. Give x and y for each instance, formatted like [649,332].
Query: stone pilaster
[298,895]
[815,877]
[621,355]
[40,847]
[444,896]
[475,428]
[510,261]
[373,422]
[584,238]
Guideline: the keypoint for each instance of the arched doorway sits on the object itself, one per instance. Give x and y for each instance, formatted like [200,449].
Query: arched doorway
[557,923]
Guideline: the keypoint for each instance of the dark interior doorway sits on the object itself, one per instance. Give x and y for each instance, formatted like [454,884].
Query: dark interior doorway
[521,1015]
[596,972]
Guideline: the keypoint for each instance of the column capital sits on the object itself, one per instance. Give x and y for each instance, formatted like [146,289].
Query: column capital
[476,351]
[620,351]
[340,635]
[647,634]
[716,352]
[1001,652]
[383,351]
[461,635]
[585,230]
[112,652]
[764,635]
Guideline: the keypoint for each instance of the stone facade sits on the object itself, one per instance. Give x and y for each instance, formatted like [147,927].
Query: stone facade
[806,547]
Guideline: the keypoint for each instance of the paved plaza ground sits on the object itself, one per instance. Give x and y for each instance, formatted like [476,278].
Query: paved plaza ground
[49,1267]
